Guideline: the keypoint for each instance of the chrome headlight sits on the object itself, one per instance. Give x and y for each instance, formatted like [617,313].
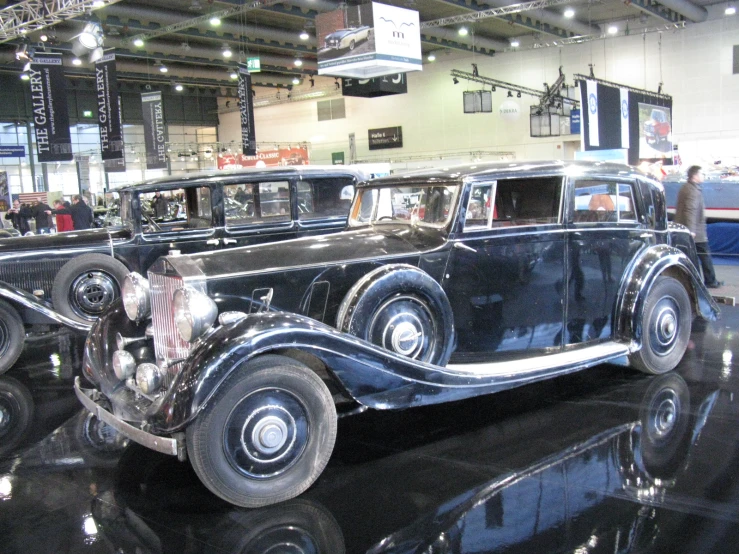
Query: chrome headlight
[124,364]
[194,313]
[136,298]
[148,378]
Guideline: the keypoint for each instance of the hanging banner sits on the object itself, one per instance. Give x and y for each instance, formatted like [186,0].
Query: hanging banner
[372,88]
[591,101]
[266,158]
[50,113]
[155,131]
[111,137]
[624,118]
[246,107]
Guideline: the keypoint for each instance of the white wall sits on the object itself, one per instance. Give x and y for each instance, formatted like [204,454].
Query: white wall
[695,66]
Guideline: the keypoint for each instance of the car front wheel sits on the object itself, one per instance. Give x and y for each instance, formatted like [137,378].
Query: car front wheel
[266,435]
[666,321]
[12,336]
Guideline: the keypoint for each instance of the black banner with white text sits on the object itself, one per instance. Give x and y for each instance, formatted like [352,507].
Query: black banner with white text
[246,107]
[155,131]
[50,112]
[109,120]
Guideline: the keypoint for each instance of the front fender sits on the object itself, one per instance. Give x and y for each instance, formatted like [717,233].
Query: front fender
[27,300]
[641,276]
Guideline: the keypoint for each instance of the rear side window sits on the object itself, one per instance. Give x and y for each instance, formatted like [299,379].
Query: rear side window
[533,201]
[256,203]
[321,198]
[603,201]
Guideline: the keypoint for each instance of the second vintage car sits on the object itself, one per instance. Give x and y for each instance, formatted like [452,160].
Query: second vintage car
[347,39]
[71,278]
[446,284]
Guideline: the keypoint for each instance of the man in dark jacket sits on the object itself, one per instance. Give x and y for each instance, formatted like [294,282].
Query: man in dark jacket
[18,215]
[41,212]
[81,213]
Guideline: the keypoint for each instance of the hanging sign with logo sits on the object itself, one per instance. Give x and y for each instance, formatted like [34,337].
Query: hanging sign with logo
[372,88]
[387,137]
[254,65]
[155,131]
[50,113]
[266,158]
[369,40]
[111,137]
[246,108]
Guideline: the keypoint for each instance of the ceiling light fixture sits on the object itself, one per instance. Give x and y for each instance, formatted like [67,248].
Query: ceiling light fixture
[296,81]
[431,57]
[163,68]
[25,77]
[298,62]
[730,10]
[178,87]
[569,13]
[510,94]
[518,94]
[227,53]
[612,30]
[98,4]
[515,43]
[455,80]
[463,32]
[43,37]
[138,42]
[234,75]
[215,21]
[304,35]
[91,36]
[76,61]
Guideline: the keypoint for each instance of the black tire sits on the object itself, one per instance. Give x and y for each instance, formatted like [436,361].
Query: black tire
[87,285]
[352,44]
[664,416]
[16,413]
[12,336]
[665,327]
[402,309]
[289,408]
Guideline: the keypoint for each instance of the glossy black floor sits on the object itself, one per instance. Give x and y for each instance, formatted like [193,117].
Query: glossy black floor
[607,460]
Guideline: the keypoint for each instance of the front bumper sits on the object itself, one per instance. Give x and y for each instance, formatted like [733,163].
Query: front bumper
[173,447]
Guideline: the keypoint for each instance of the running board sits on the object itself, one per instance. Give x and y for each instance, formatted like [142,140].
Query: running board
[584,357]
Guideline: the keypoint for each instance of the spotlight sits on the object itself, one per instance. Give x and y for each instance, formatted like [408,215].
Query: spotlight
[431,58]
[91,36]
[463,32]
[304,35]
[475,73]
[76,61]
[298,62]
[569,12]
[493,89]
[25,77]
[178,87]
[296,81]
[515,43]
[138,42]
[518,94]
[163,68]
[730,10]
[226,51]
[612,30]
[455,80]
[43,37]
[98,4]
[510,94]
[234,75]
[215,21]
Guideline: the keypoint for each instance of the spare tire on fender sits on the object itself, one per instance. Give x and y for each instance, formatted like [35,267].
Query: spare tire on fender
[402,309]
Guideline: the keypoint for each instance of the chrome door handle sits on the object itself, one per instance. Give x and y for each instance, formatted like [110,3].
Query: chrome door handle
[229,241]
[212,242]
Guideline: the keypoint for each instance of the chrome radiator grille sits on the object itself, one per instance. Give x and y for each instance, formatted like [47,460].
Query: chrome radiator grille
[168,345]
[31,275]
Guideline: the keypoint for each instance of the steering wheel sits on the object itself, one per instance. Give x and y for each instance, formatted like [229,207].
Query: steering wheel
[150,220]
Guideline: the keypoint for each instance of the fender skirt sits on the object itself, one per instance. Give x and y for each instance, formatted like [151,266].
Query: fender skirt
[27,300]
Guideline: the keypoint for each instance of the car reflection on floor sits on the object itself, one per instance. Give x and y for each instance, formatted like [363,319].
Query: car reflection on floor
[605,460]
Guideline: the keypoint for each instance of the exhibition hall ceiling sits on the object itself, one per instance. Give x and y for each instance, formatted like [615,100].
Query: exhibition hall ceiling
[283,35]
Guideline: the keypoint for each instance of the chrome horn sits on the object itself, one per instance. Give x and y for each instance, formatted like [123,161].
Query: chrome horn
[121,342]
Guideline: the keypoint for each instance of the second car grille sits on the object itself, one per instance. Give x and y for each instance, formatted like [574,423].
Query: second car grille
[168,345]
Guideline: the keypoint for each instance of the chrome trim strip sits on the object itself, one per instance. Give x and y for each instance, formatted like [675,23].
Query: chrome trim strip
[160,444]
[518,368]
[27,300]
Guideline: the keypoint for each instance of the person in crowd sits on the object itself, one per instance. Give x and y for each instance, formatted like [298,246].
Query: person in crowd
[81,213]
[41,212]
[691,212]
[63,217]
[159,204]
[18,215]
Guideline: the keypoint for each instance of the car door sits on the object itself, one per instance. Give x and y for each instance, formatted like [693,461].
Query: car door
[506,271]
[257,212]
[606,228]
[323,203]
[183,221]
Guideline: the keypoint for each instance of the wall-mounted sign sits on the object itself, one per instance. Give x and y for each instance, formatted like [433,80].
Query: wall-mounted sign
[12,151]
[50,113]
[387,137]
[254,65]
[372,88]
[337,158]
[369,40]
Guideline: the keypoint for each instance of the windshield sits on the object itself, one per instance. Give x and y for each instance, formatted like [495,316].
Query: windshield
[430,206]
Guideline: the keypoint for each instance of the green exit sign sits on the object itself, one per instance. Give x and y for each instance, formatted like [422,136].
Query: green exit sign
[253,65]
[87,113]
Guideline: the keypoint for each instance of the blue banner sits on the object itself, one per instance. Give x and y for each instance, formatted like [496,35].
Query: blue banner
[575,122]
[12,151]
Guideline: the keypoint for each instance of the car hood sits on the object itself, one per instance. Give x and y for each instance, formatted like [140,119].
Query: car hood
[366,243]
[30,246]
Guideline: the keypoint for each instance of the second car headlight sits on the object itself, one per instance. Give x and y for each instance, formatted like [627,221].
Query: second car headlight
[194,313]
[136,299]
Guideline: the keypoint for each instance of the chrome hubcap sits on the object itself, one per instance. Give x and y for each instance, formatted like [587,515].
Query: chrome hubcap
[406,336]
[665,417]
[269,434]
[665,329]
[92,292]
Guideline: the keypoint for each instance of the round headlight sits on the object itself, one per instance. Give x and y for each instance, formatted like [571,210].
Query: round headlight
[136,297]
[194,313]
[124,364]
[148,378]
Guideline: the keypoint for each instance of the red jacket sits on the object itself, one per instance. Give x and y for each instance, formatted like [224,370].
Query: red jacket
[63,220]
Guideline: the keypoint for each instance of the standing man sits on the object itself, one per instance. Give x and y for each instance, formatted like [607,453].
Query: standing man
[18,215]
[81,213]
[691,212]
[41,212]
[160,205]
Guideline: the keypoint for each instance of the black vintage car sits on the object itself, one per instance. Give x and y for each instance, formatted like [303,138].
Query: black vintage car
[445,285]
[71,278]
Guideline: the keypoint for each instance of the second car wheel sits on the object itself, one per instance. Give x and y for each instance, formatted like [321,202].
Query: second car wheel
[266,435]
[87,285]
[12,336]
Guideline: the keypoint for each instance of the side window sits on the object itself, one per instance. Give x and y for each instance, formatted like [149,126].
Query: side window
[601,201]
[479,207]
[320,198]
[256,203]
[167,210]
[626,204]
[532,201]
[274,201]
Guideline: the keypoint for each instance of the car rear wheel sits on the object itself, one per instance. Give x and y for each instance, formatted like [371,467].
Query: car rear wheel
[666,318]
[401,309]
[352,44]
[266,435]
[12,336]
[16,413]
[87,285]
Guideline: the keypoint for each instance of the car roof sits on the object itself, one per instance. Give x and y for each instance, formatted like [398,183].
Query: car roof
[495,170]
[228,175]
